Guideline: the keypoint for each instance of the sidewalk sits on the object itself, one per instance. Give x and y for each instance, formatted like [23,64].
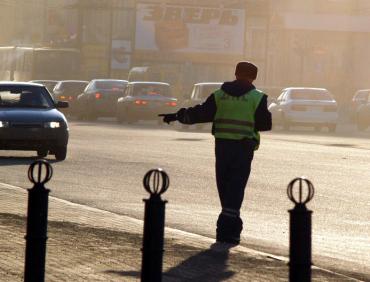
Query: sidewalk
[87,244]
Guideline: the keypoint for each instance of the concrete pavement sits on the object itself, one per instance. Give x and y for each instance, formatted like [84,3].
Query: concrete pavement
[88,244]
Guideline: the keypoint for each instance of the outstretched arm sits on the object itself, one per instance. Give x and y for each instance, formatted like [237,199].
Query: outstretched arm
[201,113]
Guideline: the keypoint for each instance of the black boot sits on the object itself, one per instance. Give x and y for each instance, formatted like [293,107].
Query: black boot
[229,229]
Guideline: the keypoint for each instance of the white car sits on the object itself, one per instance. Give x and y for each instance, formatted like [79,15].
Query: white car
[201,91]
[305,107]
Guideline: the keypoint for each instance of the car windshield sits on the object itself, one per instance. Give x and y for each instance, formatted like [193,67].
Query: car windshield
[111,85]
[25,97]
[207,89]
[152,90]
[310,94]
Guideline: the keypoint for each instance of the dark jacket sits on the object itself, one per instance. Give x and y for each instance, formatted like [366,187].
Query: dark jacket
[206,111]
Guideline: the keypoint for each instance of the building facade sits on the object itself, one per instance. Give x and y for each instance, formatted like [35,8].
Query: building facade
[321,43]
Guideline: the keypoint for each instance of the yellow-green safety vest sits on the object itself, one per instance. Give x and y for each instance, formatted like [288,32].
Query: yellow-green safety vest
[234,117]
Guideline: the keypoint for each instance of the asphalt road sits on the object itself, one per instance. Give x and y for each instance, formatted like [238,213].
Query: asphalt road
[106,163]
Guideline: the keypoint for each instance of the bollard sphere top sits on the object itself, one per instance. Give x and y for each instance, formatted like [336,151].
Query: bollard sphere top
[40,172]
[301,198]
[156,181]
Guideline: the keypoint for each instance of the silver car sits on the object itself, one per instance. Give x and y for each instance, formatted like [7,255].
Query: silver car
[305,107]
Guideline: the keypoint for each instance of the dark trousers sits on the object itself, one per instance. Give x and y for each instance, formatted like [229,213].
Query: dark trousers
[233,166]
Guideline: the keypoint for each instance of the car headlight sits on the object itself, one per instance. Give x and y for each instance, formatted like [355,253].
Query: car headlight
[4,124]
[52,124]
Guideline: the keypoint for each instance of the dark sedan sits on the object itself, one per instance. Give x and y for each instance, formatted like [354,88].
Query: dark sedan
[99,98]
[68,90]
[144,101]
[30,120]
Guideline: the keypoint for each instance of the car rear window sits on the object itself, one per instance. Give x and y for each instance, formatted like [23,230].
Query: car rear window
[151,89]
[25,97]
[73,86]
[110,85]
[310,94]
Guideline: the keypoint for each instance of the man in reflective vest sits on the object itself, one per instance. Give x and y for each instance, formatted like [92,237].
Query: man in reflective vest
[238,112]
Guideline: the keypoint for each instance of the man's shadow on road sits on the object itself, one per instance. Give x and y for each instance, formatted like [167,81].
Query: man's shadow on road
[207,265]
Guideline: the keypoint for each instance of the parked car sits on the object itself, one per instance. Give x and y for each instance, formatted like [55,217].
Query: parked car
[198,95]
[99,99]
[363,114]
[359,99]
[305,107]
[49,84]
[30,120]
[144,101]
[68,90]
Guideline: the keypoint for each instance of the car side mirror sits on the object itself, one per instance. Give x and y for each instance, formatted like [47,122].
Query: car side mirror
[62,104]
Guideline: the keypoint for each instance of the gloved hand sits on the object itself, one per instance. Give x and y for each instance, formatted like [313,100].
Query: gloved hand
[168,118]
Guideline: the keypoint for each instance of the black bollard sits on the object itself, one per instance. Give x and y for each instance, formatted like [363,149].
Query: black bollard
[37,219]
[300,257]
[156,182]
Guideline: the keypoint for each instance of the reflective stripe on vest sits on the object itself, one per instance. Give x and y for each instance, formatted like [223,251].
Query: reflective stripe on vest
[234,118]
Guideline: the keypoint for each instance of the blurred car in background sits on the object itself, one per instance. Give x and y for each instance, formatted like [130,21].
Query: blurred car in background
[272,92]
[49,84]
[201,91]
[305,107]
[29,120]
[363,114]
[144,101]
[68,90]
[99,99]
[358,99]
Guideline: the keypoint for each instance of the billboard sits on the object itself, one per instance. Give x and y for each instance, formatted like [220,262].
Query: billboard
[121,54]
[189,29]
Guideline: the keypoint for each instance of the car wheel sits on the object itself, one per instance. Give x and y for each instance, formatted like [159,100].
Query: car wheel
[129,118]
[285,123]
[361,126]
[61,153]
[119,117]
[91,116]
[332,127]
[42,153]
[79,116]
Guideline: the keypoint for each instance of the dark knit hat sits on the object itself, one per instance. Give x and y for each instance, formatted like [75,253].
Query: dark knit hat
[246,69]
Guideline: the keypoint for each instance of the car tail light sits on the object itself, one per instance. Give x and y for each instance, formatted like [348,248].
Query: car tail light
[62,97]
[140,102]
[171,104]
[330,109]
[98,95]
[70,98]
[298,108]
